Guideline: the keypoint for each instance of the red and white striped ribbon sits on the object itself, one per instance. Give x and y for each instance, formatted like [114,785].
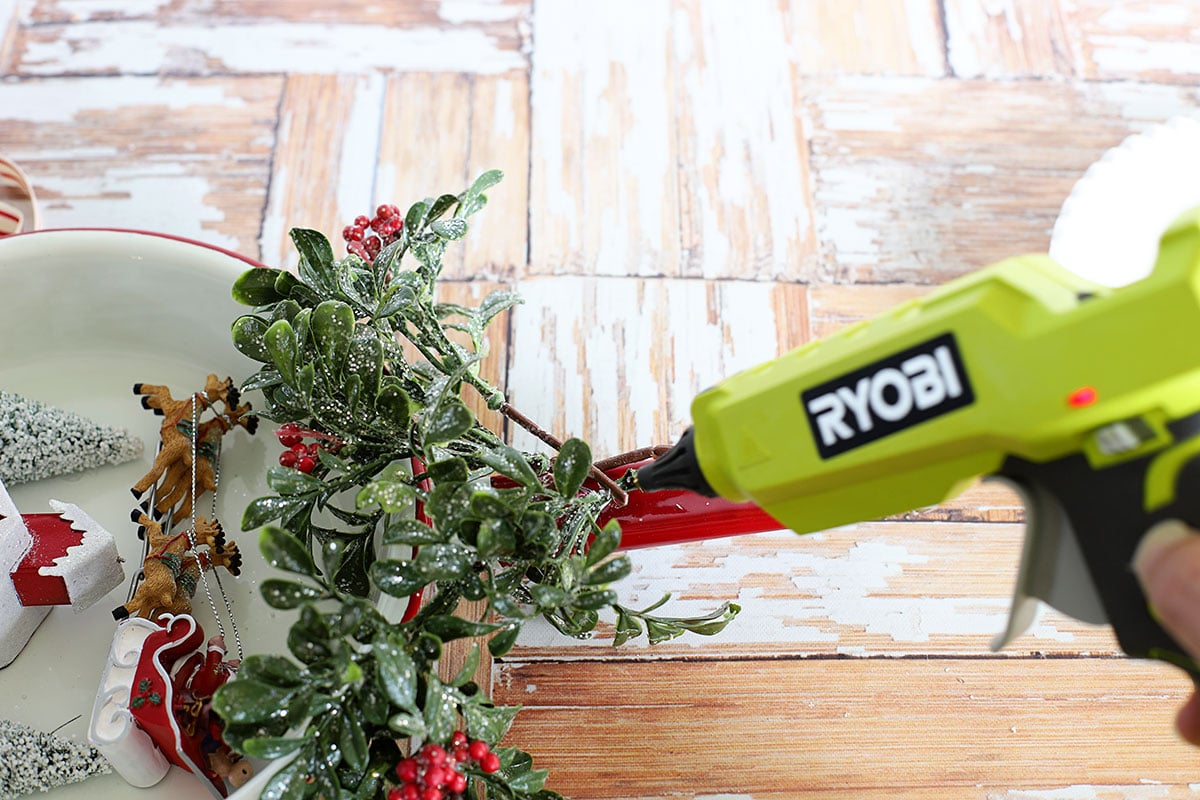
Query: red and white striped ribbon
[12,220]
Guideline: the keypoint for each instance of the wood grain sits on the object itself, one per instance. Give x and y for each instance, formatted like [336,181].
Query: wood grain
[1143,41]
[879,588]
[1017,38]
[187,157]
[905,195]
[850,727]
[870,37]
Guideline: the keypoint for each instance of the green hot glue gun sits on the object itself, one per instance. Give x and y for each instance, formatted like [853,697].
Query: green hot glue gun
[1084,397]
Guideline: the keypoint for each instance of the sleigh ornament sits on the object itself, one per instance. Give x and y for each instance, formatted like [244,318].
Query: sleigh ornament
[152,708]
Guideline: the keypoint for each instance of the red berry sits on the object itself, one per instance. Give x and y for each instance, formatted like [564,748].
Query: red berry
[457,783]
[406,770]
[288,437]
[479,749]
[312,450]
[461,755]
[306,464]
[287,459]
[383,212]
[395,793]
[361,221]
[358,250]
[435,753]
[348,233]
[410,791]
[459,739]
[374,245]
[435,775]
[490,763]
[431,793]
[299,449]
[377,224]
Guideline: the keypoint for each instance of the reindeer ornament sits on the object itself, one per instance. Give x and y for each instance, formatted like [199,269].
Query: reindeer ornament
[152,709]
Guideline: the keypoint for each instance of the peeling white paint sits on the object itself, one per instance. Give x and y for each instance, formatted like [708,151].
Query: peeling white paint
[80,10]
[459,12]
[589,351]
[1081,792]
[843,591]
[161,197]
[1124,16]
[1118,56]
[65,99]
[147,46]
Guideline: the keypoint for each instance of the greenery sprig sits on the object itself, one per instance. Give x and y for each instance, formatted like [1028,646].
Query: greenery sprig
[399,462]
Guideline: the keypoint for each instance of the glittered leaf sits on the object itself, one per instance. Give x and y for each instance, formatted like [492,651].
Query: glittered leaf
[247,332]
[605,543]
[393,402]
[397,578]
[272,746]
[410,531]
[510,463]
[265,509]
[440,710]
[610,571]
[449,420]
[280,341]
[284,551]
[278,593]
[256,287]
[571,467]
[450,229]
[487,722]
[332,328]
[397,673]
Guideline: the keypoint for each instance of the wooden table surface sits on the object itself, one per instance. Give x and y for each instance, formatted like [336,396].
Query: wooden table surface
[692,187]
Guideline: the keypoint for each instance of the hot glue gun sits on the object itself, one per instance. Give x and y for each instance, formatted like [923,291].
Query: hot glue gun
[1083,397]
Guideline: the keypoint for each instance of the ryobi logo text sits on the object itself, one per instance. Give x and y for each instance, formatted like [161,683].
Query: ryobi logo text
[888,396]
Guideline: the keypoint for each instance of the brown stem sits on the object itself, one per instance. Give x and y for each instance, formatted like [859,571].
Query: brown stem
[619,496]
[632,457]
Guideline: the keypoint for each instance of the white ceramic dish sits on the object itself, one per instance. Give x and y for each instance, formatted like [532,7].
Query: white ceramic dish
[85,314]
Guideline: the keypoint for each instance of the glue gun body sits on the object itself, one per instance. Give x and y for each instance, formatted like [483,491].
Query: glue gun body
[1084,398]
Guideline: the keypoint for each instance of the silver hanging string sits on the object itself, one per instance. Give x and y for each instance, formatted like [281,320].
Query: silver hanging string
[191,535]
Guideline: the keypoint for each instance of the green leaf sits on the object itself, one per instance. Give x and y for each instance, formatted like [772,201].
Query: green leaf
[488,722]
[290,783]
[249,701]
[628,628]
[610,571]
[415,217]
[397,578]
[497,301]
[539,533]
[353,743]
[440,710]
[504,639]
[332,329]
[572,466]
[593,601]
[449,420]
[291,482]
[407,724]
[486,504]
[547,596]
[365,360]
[272,669]
[441,206]
[605,543]
[264,378]
[486,181]
[391,496]
[282,594]
[450,229]
[410,531]
[397,673]
[398,297]
[530,782]
[448,627]
[445,562]
[393,402]
[256,287]
[509,462]
[247,332]
[495,537]
[448,503]
[280,341]
[450,470]
[270,747]
[470,665]
[314,248]
[284,551]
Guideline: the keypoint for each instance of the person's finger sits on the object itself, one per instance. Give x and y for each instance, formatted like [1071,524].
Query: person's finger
[1167,563]
[1187,721]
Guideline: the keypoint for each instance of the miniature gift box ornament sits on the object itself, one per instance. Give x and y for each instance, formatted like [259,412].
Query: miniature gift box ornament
[63,558]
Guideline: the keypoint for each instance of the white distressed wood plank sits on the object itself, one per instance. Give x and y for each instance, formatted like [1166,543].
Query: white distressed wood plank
[1145,40]
[440,132]
[874,589]
[744,185]
[1010,38]
[604,184]
[618,360]
[322,176]
[1060,729]
[874,37]
[187,157]
[919,181]
[200,43]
